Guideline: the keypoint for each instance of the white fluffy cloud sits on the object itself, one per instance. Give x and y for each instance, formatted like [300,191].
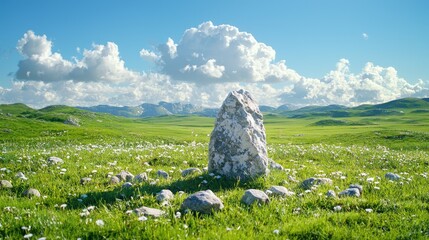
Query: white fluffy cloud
[102,63]
[207,63]
[374,84]
[218,54]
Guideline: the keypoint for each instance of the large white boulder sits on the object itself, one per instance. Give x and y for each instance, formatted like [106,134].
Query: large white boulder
[238,143]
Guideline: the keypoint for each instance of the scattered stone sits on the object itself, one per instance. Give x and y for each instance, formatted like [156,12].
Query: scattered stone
[146,211]
[85,180]
[392,176]
[357,186]
[162,174]
[190,171]
[350,192]
[310,182]
[72,121]
[237,146]
[142,177]
[125,176]
[5,184]
[203,201]
[254,196]
[21,175]
[164,195]
[31,192]
[55,160]
[114,180]
[280,191]
[331,194]
[273,165]
[127,185]
[337,208]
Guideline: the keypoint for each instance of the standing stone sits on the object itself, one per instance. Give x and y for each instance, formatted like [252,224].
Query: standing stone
[203,201]
[238,144]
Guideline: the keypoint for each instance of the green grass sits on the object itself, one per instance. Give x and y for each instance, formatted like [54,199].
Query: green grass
[105,144]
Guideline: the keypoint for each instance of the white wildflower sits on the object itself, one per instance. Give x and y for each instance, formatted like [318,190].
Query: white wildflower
[276,231]
[337,208]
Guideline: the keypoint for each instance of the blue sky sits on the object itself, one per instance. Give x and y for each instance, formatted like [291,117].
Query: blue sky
[318,53]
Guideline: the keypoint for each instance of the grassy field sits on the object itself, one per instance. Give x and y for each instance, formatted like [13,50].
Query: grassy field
[349,150]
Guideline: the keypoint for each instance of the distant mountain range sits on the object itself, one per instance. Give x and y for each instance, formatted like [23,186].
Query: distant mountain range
[165,108]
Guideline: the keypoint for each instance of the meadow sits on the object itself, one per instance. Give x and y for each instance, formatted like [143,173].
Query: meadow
[352,150]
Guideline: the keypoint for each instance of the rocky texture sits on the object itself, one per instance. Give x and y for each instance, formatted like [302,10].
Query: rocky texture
[125,176]
[72,121]
[392,176]
[310,182]
[331,194]
[280,191]
[162,174]
[254,196]
[21,175]
[203,201]
[350,192]
[358,187]
[142,177]
[190,171]
[273,165]
[5,184]
[164,195]
[31,192]
[237,146]
[85,180]
[147,211]
[54,160]
[114,180]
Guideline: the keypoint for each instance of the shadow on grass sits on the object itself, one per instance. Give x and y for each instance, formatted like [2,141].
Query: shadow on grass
[188,185]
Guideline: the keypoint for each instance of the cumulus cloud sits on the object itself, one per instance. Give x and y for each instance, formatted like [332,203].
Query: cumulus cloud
[102,63]
[365,36]
[220,53]
[374,84]
[208,62]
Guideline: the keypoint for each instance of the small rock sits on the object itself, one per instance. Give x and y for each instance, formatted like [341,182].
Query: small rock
[164,195]
[127,185]
[253,195]
[350,192]
[280,191]
[142,177]
[5,184]
[203,201]
[85,180]
[357,186]
[21,175]
[114,180]
[55,160]
[392,176]
[273,165]
[331,194]
[146,211]
[189,171]
[125,176]
[310,182]
[337,208]
[31,192]
[162,174]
